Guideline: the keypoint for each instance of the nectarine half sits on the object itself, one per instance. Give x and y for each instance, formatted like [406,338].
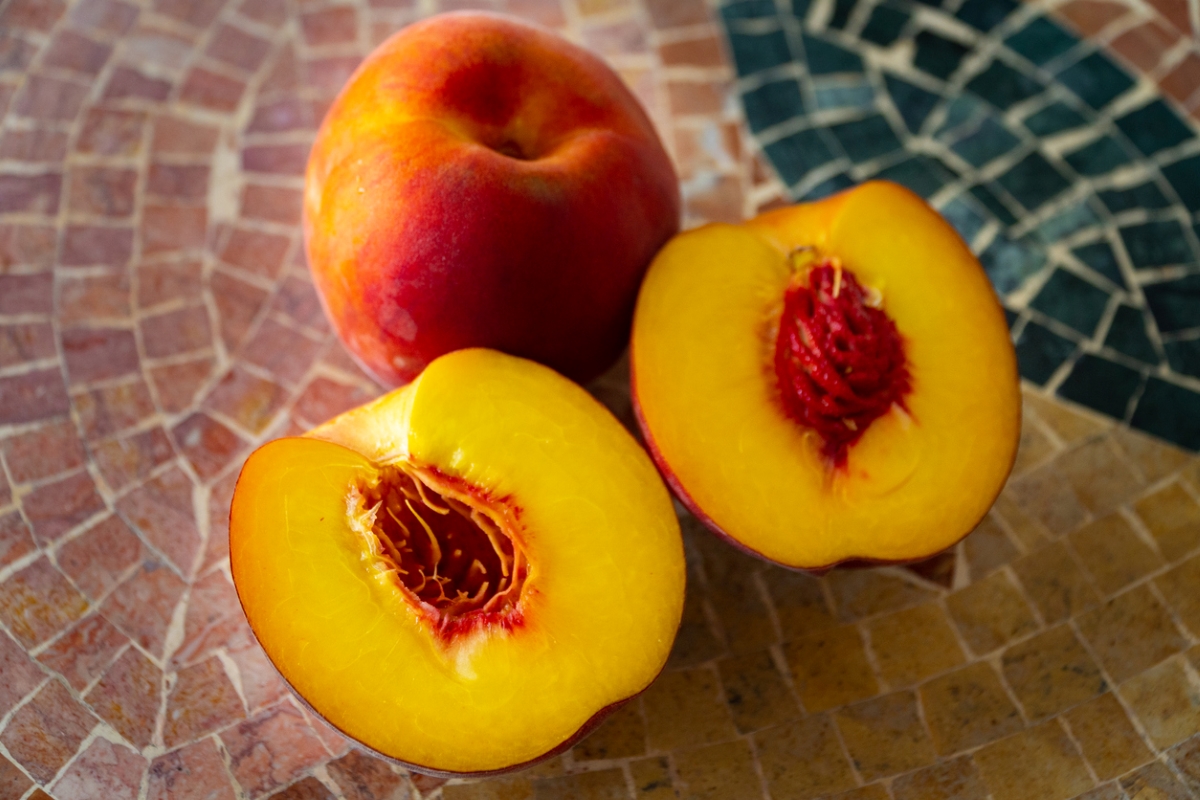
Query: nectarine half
[828,382]
[465,574]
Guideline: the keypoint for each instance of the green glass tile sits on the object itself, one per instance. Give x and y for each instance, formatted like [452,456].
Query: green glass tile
[1101,384]
[921,174]
[1127,335]
[958,111]
[986,14]
[938,56]
[773,103]
[1098,157]
[1154,127]
[1054,118]
[885,25]
[1033,181]
[748,9]
[1146,195]
[756,52]
[913,102]
[1041,41]
[990,141]
[826,58]
[830,186]
[1099,256]
[1009,263]
[1010,317]
[794,156]
[844,95]
[1004,86]
[1041,351]
[1184,356]
[1071,219]
[1156,244]
[994,204]
[1072,301]
[1184,177]
[1170,412]
[1096,80]
[800,8]
[842,9]
[1175,304]
[864,139]
[963,216]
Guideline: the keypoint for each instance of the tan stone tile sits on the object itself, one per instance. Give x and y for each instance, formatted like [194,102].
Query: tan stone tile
[1040,762]
[799,601]
[517,787]
[1166,700]
[1100,475]
[1034,447]
[684,708]
[862,593]
[1108,739]
[1186,758]
[1055,582]
[956,779]
[1051,672]
[1153,457]
[608,784]
[1154,782]
[756,692]
[876,791]
[885,736]
[991,613]
[1173,517]
[1130,633]
[967,708]
[1069,424]
[830,668]
[988,548]
[913,644]
[1027,530]
[734,596]
[718,772]
[1179,587]
[1113,553]
[1109,791]
[622,735]
[652,779]
[695,642]
[1047,496]
[803,759]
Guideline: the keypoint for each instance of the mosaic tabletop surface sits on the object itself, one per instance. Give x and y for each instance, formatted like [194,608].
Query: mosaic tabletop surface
[157,322]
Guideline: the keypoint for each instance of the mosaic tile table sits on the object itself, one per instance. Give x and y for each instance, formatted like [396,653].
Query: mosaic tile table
[157,322]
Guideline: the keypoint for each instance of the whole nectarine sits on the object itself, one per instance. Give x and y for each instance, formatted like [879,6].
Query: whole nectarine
[483,182]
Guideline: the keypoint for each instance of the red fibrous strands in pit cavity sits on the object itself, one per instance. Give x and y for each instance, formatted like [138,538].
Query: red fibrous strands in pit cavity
[839,359]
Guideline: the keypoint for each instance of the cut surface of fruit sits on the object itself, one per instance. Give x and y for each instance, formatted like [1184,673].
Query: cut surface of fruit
[885,439]
[466,572]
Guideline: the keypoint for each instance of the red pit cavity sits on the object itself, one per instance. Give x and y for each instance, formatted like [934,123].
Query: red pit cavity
[839,359]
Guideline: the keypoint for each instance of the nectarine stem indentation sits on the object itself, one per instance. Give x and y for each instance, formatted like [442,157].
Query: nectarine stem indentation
[452,556]
[839,360]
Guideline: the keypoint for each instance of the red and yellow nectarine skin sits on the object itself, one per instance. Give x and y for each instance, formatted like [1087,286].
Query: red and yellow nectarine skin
[482,182]
[356,563]
[929,437]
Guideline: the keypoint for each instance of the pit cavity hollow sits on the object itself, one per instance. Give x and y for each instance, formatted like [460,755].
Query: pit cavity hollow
[839,360]
[452,553]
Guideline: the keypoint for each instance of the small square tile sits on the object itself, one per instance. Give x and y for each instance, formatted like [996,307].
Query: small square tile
[885,735]
[1169,411]
[1184,356]
[103,770]
[1041,41]
[1154,458]
[860,593]
[1130,633]
[1154,780]
[967,708]
[885,24]
[13,782]
[1055,583]
[964,217]
[1186,759]
[82,653]
[867,138]
[1095,79]
[1054,118]
[913,102]
[622,735]
[46,732]
[830,668]
[685,708]
[988,197]
[1162,244]
[954,779]
[1127,335]
[143,605]
[937,55]
[38,602]
[1166,701]
[1004,86]
[799,602]
[1047,496]
[129,697]
[1143,195]
[1033,181]
[652,779]
[755,692]
[1069,221]
[795,155]
[825,58]
[921,174]
[271,749]
[1108,739]
[1100,258]
[1154,127]
[1051,672]
[721,771]
[988,547]
[772,103]
[1101,384]
[1178,588]
[1039,762]
[1113,553]
[1072,301]
[990,613]
[989,142]
[1098,157]
[21,674]
[983,15]
[803,759]
[202,700]
[696,642]
[755,52]
[1041,351]
[1184,177]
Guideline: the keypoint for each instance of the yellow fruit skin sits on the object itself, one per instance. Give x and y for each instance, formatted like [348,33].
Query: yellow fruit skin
[707,397]
[598,612]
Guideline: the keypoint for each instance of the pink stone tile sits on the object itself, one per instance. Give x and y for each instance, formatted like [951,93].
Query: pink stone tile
[98,559]
[129,696]
[32,194]
[219,502]
[142,606]
[27,294]
[324,399]
[199,13]
[270,12]
[32,396]
[37,15]
[337,25]
[247,399]
[283,76]
[95,354]
[195,772]
[27,245]
[105,16]
[45,732]
[129,83]
[55,508]
[87,245]
[281,350]
[5,499]
[178,137]
[34,146]
[113,408]
[297,299]
[214,619]
[330,74]
[13,782]
[102,191]
[286,113]
[210,90]
[39,602]
[93,298]
[165,283]
[336,742]
[177,332]
[21,675]
[15,538]
[208,445]
[46,98]
[237,48]
[271,203]
[186,184]
[71,50]
[238,303]
[171,229]
[103,770]
[616,39]
[163,512]
[271,749]
[177,384]
[83,653]
[202,701]
[24,342]
[256,252]
[126,460]
[262,686]
[276,159]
